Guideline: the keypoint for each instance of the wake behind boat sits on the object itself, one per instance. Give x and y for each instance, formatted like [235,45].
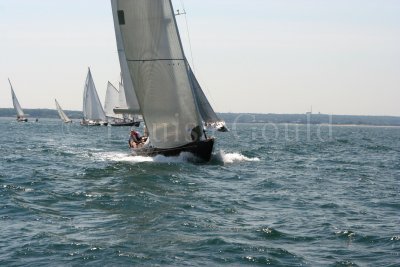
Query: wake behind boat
[167,92]
[93,113]
[21,117]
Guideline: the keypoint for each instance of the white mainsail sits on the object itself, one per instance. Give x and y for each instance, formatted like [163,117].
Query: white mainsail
[158,70]
[131,104]
[62,114]
[92,108]
[111,101]
[17,106]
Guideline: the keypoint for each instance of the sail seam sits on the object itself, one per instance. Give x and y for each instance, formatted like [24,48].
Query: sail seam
[155,59]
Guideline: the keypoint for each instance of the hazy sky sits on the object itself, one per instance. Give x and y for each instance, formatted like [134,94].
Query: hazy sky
[265,56]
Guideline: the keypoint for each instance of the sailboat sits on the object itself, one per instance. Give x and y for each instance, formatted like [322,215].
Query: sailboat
[93,113]
[111,102]
[116,99]
[147,34]
[62,114]
[21,117]
[128,118]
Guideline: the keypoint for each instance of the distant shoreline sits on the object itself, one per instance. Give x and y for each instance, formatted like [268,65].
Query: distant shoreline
[32,118]
[300,119]
[362,125]
[313,119]
[325,124]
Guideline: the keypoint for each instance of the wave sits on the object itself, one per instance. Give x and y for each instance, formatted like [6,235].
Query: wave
[184,157]
[121,157]
[126,157]
[229,158]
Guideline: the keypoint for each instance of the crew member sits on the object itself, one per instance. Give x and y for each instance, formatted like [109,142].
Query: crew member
[135,139]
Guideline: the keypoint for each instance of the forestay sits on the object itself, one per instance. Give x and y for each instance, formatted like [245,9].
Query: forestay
[159,70]
[92,108]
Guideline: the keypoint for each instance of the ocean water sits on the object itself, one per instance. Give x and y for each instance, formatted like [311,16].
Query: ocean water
[279,195]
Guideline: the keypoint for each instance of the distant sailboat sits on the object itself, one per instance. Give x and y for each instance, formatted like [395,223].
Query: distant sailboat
[111,101]
[114,98]
[21,117]
[62,114]
[93,113]
[163,82]
[129,118]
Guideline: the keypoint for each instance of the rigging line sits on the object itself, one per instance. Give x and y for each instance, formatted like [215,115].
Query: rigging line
[190,46]
[188,35]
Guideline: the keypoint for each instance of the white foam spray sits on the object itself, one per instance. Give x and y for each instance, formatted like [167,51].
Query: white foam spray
[220,156]
[229,158]
[124,157]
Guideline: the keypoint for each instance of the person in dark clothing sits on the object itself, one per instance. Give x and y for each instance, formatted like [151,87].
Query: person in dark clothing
[135,139]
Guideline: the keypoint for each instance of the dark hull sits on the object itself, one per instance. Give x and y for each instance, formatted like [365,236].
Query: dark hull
[22,120]
[201,149]
[117,124]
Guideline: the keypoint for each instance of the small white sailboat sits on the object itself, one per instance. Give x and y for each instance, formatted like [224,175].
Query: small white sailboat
[62,114]
[116,99]
[21,117]
[93,113]
[168,95]
[129,118]
[111,101]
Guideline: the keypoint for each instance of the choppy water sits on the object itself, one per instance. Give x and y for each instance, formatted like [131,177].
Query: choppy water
[272,195]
